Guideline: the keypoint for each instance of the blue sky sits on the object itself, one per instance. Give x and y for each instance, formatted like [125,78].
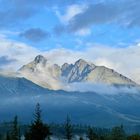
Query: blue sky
[74,26]
[108,22]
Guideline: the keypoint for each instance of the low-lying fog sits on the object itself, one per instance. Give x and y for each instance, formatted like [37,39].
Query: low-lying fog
[106,106]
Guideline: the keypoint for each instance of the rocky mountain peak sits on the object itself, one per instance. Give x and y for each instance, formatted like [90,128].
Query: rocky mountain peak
[81,62]
[66,66]
[40,59]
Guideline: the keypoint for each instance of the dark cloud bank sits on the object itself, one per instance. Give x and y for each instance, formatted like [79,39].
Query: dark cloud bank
[35,34]
[4,60]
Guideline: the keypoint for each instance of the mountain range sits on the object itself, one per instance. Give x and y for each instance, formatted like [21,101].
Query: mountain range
[40,80]
[52,76]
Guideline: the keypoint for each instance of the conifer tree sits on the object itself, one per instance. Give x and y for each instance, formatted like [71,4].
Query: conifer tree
[15,131]
[38,130]
[68,129]
[118,133]
[91,134]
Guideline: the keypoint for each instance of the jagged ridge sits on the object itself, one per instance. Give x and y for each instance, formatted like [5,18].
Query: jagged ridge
[53,76]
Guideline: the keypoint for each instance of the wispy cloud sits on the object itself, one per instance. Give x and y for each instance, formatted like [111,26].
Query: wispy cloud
[123,13]
[71,11]
[100,88]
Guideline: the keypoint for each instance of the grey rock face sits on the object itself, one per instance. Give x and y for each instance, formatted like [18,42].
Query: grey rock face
[66,68]
[40,59]
[83,71]
[77,72]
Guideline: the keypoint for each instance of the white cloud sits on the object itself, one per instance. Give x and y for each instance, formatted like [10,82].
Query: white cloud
[18,51]
[70,12]
[100,88]
[61,55]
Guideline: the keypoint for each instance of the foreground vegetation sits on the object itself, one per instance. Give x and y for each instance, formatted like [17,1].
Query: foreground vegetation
[38,130]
